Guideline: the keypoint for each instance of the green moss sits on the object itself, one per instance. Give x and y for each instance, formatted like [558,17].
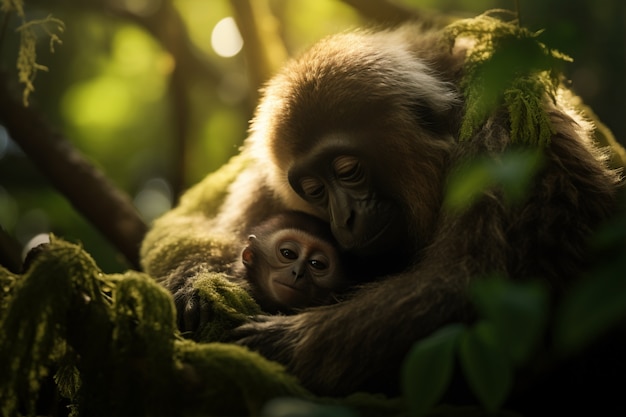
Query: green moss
[227,305]
[111,343]
[509,67]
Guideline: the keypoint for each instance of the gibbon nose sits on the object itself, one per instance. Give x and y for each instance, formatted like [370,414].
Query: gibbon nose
[342,213]
[298,271]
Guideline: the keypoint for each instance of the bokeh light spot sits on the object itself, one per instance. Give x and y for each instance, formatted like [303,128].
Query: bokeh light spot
[39,239]
[154,199]
[98,103]
[225,38]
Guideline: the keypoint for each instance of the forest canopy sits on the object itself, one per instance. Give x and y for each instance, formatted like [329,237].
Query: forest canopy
[158,94]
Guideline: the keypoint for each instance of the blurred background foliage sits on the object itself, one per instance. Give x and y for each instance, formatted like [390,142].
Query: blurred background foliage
[157,93]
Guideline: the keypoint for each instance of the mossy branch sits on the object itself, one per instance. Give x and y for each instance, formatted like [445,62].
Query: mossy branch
[90,192]
[507,66]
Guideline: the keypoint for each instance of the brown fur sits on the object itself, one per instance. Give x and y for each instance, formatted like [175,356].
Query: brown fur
[397,91]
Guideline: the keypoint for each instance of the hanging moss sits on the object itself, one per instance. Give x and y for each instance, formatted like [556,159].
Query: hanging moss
[507,66]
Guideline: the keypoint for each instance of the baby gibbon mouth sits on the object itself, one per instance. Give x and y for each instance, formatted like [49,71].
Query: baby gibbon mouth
[289,294]
[293,287]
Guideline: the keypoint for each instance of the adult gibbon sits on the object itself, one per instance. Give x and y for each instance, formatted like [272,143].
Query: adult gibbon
[362,131]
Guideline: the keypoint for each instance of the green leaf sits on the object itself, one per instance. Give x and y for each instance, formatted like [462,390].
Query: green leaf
[515,172]
[517,311]
[485,365]
[287,406]
[593,306]
[428,368]
[512,173]
[467,184]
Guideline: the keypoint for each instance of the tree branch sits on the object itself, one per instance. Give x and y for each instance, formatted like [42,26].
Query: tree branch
[86,188]
[263,46]
[388,13]
[167,27]
[165,24]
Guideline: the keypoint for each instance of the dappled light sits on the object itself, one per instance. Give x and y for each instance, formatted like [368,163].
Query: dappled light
[135,54]
[154,199]
[99,104]
[200,21]
[33,242]
[134,76]
[226,39]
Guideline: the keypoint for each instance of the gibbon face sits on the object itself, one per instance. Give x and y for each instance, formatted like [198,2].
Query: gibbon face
[291,263]
[338,179]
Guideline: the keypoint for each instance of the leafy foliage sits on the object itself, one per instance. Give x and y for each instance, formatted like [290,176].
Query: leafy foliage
[517,313]
[512,332]
[428,369]
[488,351]
[512,173]
[486,365]
[598,302]
[517,328]
[506,64]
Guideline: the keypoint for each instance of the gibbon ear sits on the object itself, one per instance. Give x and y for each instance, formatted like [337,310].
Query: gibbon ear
[247,256]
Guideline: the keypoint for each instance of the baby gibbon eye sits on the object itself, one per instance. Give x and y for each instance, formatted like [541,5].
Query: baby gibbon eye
[348,168]
[312,187]
[288,253]
[319,265]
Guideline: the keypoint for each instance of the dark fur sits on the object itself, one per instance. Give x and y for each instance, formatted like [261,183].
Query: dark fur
[367,83]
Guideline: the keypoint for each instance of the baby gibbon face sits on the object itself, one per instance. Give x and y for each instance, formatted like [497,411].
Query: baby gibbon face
[293,268]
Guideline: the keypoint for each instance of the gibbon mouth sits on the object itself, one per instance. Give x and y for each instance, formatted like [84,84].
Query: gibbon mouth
[349,241]
[374,239]
[371,244]
[289,295]
[291,287]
